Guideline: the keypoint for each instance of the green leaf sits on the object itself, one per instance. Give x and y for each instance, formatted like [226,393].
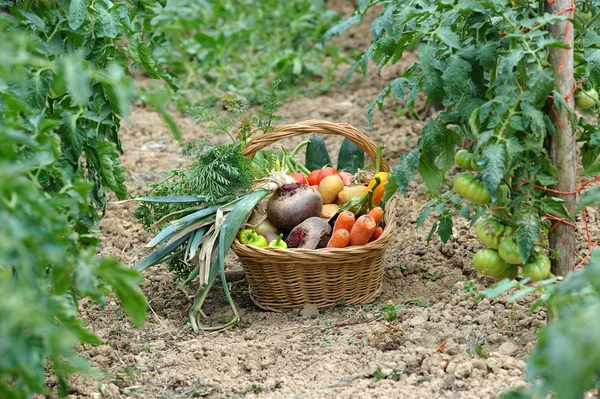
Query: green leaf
[341,26]
[431,174]
[125,282]
[528,232]
[109,22]
[72,134]
[456,77]
[447,36]
[76,78]
[401,175]
[432,83]
[176,199]
[445,228]
[158,100]
[147,60]
[554,206]
[494,159]
[77,13]
[589,198]
[39,87]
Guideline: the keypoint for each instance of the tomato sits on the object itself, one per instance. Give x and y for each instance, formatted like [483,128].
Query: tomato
[538,269]
[509,251]
[585,99]
[511,273]
[313,178]
[299,177]
[470,188]
[489,263]
[474,166]
[463,159]
[380,190]
[491,232]
[585,15]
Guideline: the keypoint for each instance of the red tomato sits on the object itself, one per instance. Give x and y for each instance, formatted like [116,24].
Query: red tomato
[299,177]
[328,171]
[313,178]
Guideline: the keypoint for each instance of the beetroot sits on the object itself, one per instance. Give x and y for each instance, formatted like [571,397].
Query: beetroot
[313,233]
[292,204]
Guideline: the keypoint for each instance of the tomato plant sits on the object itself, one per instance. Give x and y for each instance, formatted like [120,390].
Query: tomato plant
[506,75]
[66,87]
[489,66]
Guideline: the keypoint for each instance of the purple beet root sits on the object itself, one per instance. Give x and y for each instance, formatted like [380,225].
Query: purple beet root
[292,204]
[313,233]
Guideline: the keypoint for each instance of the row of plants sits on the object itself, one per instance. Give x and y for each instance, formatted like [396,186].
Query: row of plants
[65,86]
[242,46]
[492,65]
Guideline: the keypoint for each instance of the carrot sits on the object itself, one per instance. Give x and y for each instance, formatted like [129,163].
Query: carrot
[345,220]
[339,239]
[376,234]
[377,214]
[362,230]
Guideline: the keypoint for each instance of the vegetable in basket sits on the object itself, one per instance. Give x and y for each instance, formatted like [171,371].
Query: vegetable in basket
[251,237]
[292,204]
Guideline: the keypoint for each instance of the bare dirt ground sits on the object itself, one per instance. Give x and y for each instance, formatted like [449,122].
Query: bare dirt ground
[437,343]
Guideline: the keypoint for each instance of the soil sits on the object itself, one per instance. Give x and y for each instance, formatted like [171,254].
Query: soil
[424,337]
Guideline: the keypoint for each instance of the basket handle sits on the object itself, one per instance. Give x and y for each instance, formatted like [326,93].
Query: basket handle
[315,127]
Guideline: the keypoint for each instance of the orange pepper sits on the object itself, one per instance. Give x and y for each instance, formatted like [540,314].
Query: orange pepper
[380,190]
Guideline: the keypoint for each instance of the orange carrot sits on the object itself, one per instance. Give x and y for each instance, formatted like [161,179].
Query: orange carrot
[362,230]
[376,234]
[339,239]
[377,214]
[345,220]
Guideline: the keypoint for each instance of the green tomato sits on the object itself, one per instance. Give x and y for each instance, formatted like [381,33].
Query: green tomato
[474,166]
[492,232]
[463,159]
[509,251]
[585,15]
[466,185]
[538,269]
[489,263]
[585,99]
[511,272]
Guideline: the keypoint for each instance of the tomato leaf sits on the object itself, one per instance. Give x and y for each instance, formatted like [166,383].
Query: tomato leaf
[554,206]
[445,227]
[402,174]
[456,77]
[77,13]
[431,174]
[528,232]
[494,159]
[432,83]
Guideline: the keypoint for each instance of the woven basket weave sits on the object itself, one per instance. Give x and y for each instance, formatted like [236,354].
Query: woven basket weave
[283,279]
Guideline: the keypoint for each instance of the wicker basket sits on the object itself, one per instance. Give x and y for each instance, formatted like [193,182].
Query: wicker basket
[283,279]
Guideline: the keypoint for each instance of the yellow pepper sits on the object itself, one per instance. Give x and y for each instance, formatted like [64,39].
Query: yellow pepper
[380,190]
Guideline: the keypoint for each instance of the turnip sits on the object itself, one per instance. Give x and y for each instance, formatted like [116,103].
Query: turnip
[292,204]
[313,233]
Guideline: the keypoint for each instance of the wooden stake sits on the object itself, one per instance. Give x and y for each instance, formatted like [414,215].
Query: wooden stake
[562,145]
